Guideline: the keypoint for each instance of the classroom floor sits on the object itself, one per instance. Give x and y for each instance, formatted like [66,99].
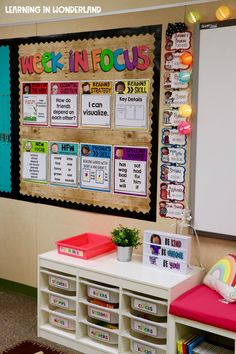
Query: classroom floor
[18,321]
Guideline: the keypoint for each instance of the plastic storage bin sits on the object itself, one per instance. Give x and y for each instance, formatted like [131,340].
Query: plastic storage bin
[62,283]
[148,307]
[62,322]
[106,295]
[85,246]
[103,315]
[149,329]
[141,348]
[60,301]
[102,335]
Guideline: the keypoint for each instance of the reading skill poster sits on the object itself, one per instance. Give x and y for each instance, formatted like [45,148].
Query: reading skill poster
[131,103]
[35,103]
[64,104]
[64,163]
[34,161]
[95,167]
[130,170]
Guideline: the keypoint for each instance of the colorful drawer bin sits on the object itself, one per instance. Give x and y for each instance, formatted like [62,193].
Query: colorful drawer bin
[85,246]
[103,294]
[148,328]
[60,301]
[103,315]
[102,335]
[62,283]
[61,322]
[148,307]
[141,348]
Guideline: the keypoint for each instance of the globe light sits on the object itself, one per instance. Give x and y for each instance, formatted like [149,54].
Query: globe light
[222,13]
[193,17]
[184,76]
[185,110]
[186,58]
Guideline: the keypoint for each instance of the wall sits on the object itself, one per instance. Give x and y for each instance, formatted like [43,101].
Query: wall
[28,229]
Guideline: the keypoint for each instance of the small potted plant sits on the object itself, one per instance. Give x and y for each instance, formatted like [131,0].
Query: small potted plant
[125,239]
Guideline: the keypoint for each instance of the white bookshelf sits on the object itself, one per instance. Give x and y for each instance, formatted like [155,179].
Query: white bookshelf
[107,277]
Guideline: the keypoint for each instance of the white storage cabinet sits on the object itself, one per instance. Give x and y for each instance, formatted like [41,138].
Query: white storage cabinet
[137,323]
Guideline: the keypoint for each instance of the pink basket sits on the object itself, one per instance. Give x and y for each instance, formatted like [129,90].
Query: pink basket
[85,246]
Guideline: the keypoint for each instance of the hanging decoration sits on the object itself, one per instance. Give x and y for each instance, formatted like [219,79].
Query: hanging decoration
[185,110]
[222,13]
[186,58]
[184,128]
[193,17]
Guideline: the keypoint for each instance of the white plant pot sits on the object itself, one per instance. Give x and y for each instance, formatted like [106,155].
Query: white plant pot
[124,254]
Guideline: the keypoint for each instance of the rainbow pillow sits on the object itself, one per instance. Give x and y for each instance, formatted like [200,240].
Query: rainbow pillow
[222,277]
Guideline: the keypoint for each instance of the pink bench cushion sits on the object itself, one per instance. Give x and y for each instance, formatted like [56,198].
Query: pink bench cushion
[202,304]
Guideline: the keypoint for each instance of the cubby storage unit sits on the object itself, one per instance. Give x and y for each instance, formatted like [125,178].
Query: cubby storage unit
[180,327]
[104,306]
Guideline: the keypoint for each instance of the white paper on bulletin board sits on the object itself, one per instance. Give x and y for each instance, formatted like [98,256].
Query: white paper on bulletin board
[215,173]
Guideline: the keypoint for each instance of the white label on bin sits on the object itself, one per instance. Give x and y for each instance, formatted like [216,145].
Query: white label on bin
[59,282]
[145,328]
[103,315]
[98,334]
[71,251]
[59,322]
[59,301]
[140,348]
[145,306]
[99,293]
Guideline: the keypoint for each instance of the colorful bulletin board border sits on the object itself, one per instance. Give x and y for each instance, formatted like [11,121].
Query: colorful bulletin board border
[20,132]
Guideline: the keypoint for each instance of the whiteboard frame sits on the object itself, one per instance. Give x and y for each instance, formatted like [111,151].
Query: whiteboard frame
[193,152]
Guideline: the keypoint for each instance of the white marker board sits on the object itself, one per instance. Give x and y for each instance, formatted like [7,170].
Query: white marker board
[214,205]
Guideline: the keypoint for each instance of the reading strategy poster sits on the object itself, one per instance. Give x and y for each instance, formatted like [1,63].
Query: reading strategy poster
[34,163]
[130,170]
[35,103]
[131,104]
[96,104]
[95,167]
[64,164]
[64,104]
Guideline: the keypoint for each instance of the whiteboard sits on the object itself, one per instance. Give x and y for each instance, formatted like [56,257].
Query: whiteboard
[215,155]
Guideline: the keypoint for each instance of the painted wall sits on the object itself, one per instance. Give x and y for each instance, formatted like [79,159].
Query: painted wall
[28,229]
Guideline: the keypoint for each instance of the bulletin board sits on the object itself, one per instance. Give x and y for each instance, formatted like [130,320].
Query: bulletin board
[88,120]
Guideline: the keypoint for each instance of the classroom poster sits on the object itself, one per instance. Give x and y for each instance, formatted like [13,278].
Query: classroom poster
[171,81]
[179,41]
[172,137]
[173,155]
[171,191]
[176,98]
[96,104]
[95,167]
[64,163]
[35,103]
[171,210]
[172,173]
[64,103]
[131,103]
[171,117]
[172,61]
[34,161]
[130,170]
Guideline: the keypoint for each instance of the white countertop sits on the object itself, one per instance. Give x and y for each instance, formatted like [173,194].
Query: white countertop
[133,271]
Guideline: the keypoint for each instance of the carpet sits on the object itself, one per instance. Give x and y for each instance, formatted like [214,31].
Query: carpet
[29,347]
